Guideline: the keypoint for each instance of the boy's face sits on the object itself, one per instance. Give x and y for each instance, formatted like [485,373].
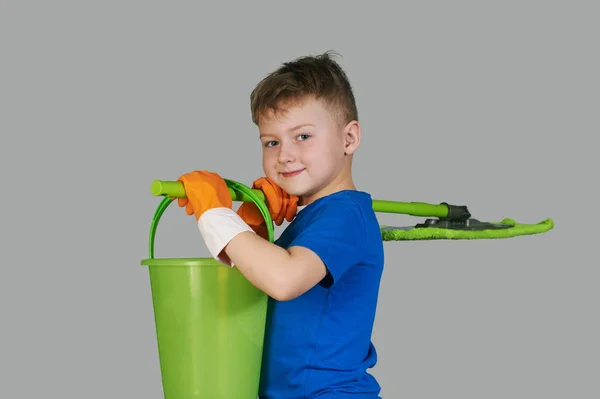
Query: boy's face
[303,150]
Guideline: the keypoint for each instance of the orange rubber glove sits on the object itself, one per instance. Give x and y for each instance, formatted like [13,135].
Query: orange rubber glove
[204,190]
[281,206]
[209,200]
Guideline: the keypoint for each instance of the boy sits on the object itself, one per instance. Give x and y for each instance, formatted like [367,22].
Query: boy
[323,273]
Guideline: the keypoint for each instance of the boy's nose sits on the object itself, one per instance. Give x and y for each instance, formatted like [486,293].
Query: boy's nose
[286,153]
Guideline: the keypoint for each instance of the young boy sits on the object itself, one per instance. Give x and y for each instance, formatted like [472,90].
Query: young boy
[323,273]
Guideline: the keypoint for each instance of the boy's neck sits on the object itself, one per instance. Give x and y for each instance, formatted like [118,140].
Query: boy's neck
[343,182]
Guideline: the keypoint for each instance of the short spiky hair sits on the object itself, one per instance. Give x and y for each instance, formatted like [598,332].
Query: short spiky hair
[318,76]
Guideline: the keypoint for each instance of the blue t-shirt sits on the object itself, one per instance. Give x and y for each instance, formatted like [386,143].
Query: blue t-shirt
[319,344]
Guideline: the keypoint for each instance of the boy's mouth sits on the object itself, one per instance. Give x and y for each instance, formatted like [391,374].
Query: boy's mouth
[292,174]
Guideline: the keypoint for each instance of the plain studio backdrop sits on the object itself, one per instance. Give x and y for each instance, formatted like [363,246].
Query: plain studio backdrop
[490,106]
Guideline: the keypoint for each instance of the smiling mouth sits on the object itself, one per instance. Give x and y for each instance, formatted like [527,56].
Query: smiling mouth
[292,174]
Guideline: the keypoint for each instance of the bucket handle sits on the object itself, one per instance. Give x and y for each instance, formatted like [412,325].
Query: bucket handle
[232,184]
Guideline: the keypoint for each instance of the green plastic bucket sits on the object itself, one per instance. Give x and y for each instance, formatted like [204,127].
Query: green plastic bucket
[210,322]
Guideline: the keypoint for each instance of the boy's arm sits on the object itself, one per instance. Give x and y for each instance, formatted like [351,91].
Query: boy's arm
[282,274]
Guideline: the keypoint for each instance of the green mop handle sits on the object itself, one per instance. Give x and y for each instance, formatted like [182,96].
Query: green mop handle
[176,189]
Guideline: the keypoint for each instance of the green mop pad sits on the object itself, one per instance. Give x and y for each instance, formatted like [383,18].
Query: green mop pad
[505,229]
[453,221]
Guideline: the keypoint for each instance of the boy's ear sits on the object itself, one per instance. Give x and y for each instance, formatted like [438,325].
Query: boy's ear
[351,137]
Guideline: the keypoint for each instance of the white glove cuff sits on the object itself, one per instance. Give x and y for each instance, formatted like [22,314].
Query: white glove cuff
[218,226]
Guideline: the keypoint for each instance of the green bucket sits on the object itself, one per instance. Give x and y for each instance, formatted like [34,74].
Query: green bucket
[210,322]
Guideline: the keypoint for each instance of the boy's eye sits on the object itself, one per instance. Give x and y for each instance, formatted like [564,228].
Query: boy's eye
[273,143]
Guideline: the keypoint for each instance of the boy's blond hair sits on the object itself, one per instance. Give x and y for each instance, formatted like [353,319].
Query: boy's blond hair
[318,77]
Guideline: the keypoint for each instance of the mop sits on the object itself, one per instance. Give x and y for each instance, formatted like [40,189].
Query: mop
[444,221]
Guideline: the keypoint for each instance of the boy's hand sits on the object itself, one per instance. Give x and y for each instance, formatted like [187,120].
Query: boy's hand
[204,190]
[281,206]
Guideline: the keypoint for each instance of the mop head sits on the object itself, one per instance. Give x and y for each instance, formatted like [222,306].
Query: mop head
[507,228]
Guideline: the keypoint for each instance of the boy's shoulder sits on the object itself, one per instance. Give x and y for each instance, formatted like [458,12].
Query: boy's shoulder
[341,201]
[347,214]
[342,230]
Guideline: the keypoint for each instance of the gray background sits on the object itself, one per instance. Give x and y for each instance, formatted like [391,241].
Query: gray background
[492,106]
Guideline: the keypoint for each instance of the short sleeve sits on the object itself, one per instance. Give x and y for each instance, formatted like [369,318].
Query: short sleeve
[336,233]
